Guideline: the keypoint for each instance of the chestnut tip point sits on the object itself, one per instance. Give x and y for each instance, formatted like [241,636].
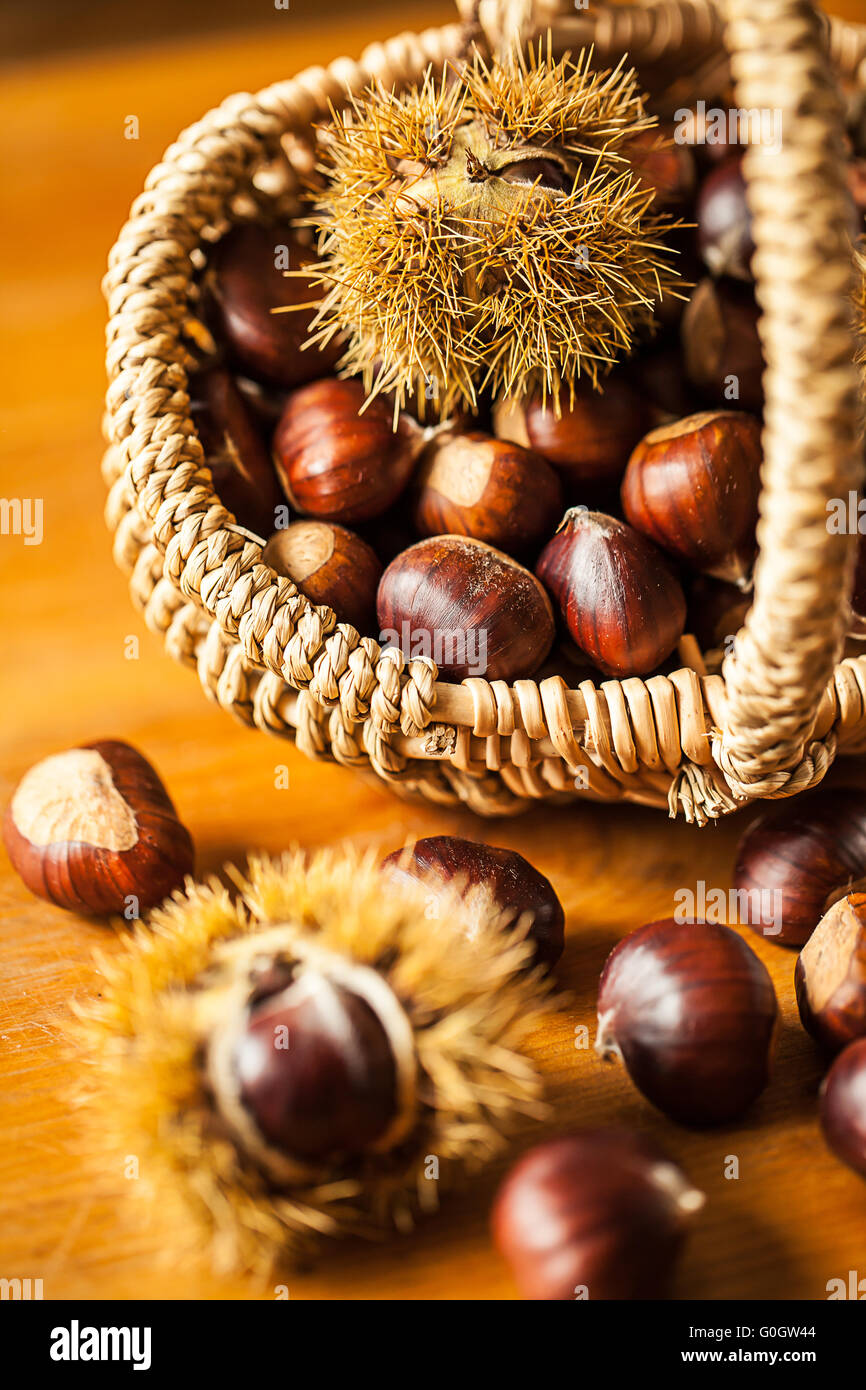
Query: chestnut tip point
[670,1179]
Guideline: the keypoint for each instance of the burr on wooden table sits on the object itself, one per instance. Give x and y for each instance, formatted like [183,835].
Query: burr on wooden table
[77,665]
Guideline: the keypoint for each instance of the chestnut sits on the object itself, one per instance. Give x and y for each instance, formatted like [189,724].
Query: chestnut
[471,608]
[724,221]
[331,566]
[336,464]
[601,1214]
[693,486]
[314,1069]
[664,166]
[494,883]
[691,1011]
[799,859]
[622,603]
[92,828]
[475,485]
[716,612]
[722,352]
[590,441]
[657,372]
[830,976]
[235,452]
[244,283]
[843,1106]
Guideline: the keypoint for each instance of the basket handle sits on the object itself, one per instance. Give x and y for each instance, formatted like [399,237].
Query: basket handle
[785,654]
[793,634]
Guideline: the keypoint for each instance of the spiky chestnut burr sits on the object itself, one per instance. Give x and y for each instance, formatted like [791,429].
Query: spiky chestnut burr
[489,230]
[286,1061]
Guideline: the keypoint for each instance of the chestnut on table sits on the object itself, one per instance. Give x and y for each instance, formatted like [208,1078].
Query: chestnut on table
[843,1106]
[691,1011]
[805,853]
[494,882]
[601,1214]
[245,282]
[93,827]
[831,975]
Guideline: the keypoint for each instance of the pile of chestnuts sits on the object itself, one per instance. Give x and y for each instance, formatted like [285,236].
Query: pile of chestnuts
[526,540]
[588,538]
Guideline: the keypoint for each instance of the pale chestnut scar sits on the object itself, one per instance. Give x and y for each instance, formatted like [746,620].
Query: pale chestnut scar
[72,797]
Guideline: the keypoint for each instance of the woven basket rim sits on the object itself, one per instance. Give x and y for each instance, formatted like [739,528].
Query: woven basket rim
[163,509]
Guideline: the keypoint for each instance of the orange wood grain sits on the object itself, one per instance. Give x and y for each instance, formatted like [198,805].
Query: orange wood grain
[793,1220]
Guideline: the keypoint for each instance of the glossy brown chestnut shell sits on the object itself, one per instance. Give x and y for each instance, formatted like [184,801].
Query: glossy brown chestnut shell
[843,1106]
[601,1214]
[331,566]
[691,1012]
[475,485]
[94,830]
[336,464]
[495,881]
[245,282]
[830,975]
[796,860]
[693,486]
[235,451]
[663,165]
[590,442]
[315,1070]
[620,599]
[473,609]
[722,352]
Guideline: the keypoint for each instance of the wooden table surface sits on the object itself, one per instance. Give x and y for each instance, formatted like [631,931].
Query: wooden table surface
[794,1218]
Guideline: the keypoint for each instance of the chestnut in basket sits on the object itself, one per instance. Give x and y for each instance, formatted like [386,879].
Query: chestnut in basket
[724,221]
[594,1215]
[691,1011]
[657,373]
[245,282]
[799,858]
[497,491]
[590,442]
[663,165]
[94,830]
[471,608]
[494,882]
[716,612]
[692,487]
[331,566]
[722,352]
[235,452]
[620,599]
[337,464]
[843,1106]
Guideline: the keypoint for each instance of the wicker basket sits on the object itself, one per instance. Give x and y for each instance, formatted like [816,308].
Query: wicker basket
[771,724]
